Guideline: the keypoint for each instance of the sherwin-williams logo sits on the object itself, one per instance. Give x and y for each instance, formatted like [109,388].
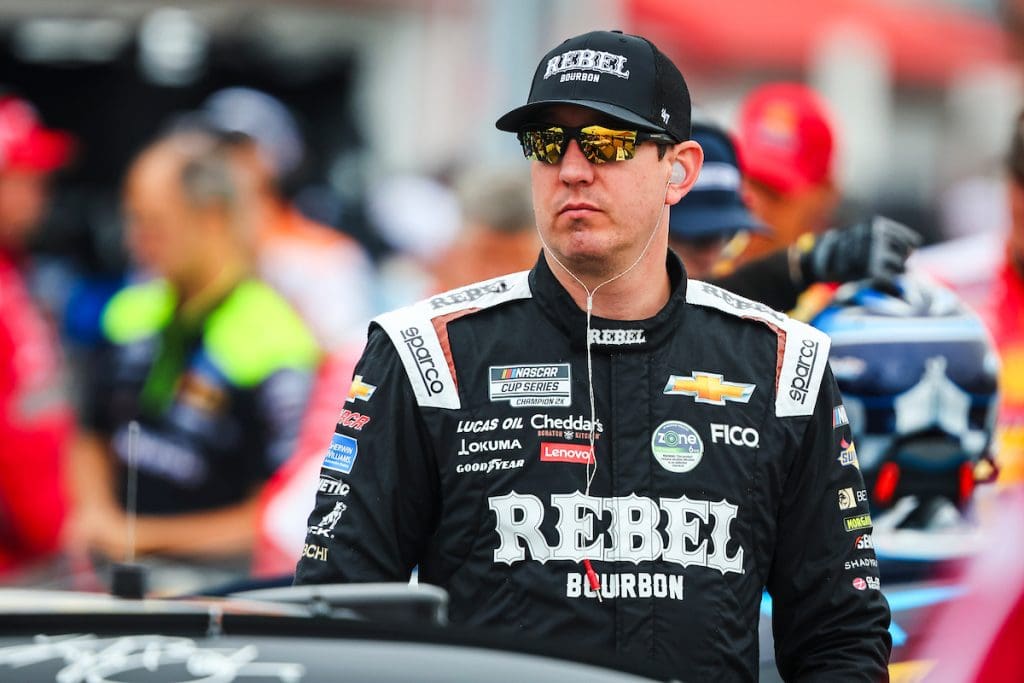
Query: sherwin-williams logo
[857,523]
[360,390]
[341,454]
[709,388]
[531,385]
[566,452]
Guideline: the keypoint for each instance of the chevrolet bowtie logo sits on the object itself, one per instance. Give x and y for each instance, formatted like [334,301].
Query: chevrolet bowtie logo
[706,387]
[360,390]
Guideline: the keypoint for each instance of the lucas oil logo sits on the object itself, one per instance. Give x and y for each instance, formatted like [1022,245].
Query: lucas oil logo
[709,388]
[531,385]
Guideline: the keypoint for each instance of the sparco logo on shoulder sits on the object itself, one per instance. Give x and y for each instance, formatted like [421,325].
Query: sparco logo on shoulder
[425,362]
[697,532]
[800,385]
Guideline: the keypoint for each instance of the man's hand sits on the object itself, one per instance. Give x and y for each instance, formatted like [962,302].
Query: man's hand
[873,249]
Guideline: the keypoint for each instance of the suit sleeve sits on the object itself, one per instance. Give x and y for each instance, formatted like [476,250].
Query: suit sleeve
[830,620]
[377,501]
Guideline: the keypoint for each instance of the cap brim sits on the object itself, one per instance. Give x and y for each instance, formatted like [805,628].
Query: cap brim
[528,114]
[692,223]
[768,171]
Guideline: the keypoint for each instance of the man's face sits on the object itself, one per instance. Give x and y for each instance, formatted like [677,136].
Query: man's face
[23,197]
[163,234]
[792,214]
[597,218]
[699,256]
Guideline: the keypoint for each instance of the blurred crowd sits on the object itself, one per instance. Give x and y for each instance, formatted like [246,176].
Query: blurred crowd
[198,388]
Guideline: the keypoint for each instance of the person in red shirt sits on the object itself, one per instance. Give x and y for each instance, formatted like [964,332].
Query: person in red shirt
[1006,311]
[35,417]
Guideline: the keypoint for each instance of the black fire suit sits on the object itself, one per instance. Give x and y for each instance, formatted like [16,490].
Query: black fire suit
[724,464]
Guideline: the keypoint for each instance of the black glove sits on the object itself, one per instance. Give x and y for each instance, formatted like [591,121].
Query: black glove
[874,249]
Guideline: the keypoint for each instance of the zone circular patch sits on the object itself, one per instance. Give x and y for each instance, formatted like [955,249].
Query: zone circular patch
[677,446]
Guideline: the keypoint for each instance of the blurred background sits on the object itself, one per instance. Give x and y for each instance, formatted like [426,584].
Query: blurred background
[382,129]
[925,91]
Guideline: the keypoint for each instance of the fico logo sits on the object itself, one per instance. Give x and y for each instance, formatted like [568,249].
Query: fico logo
[735,436]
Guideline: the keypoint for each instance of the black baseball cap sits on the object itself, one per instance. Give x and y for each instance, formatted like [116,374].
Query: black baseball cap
[621,75]
[714,206]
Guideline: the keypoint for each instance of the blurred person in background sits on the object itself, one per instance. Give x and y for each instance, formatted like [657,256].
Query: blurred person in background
[497,234]
[324,273]
[1006,315]
[705,222]
[35,419]
[213,365]
[787,142]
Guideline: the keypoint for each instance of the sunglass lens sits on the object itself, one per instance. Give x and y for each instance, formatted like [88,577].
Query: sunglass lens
[601,145]
[543,145]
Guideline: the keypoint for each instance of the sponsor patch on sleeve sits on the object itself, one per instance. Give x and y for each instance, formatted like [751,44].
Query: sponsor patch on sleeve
[341,454]
[803,366]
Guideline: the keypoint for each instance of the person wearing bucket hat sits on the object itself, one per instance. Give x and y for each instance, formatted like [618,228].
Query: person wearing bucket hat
[35,417]
[708,219]
[713,213]
[568,451]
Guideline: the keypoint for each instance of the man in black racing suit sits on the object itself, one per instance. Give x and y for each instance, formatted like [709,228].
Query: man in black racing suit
[623,483]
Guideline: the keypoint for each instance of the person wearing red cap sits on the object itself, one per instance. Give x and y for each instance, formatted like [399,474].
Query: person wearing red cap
[35,418]
[787,143]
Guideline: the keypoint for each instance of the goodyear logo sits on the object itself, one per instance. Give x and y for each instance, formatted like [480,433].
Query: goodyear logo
[709,388]
[857,523]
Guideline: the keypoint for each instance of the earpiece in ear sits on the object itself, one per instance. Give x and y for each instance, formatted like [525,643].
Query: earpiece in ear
[678,173]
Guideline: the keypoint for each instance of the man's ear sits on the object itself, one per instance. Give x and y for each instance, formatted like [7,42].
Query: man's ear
[686,159]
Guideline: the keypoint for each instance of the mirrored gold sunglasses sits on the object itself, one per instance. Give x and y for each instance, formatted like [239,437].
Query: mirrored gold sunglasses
[599,144]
